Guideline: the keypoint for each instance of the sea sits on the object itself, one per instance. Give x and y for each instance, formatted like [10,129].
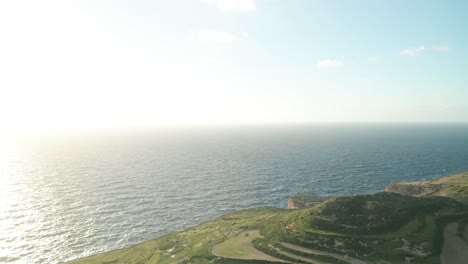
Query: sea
[69,196]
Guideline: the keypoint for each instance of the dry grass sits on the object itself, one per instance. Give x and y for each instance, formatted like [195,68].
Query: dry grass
[240,247]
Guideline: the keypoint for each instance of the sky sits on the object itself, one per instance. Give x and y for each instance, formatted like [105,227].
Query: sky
[105,64]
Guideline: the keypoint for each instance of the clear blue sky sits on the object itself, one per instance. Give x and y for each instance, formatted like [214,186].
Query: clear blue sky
[142,63]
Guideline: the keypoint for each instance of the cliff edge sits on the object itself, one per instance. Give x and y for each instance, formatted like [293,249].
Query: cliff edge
[304,201]
[453,186]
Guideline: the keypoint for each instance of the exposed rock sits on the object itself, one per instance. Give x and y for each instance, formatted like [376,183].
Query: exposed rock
[304,201]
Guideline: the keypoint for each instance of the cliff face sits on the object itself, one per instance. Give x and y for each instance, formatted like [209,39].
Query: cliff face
[453,186]
[304,201]
[421,188]
[292,204]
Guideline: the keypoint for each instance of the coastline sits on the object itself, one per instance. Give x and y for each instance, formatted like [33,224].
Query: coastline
[444,204]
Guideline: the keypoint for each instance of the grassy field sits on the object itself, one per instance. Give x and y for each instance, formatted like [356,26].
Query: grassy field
[241,247]
[375,228]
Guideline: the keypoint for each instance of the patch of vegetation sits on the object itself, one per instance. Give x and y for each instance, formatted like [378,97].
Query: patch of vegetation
[371,214]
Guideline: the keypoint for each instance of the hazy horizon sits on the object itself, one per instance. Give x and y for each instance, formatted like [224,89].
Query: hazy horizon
[79,65]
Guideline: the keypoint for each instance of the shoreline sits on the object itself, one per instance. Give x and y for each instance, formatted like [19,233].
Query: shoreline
[257,219]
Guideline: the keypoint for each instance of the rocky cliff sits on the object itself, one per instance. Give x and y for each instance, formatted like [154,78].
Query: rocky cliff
[454,186]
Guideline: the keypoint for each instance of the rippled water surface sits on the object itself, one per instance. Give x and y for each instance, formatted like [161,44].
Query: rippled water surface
[73,196]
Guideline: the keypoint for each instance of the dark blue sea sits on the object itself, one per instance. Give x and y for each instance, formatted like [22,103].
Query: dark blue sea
[68,196]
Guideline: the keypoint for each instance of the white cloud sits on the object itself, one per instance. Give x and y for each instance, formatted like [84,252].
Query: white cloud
[216,37]
[421,49]
[236,6]
[372,59]
[441,48]
[413,52]
[328,64]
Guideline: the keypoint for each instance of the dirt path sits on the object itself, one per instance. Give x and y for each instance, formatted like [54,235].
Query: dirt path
[323,253]
[455,250]
[240,247]
[306,259]
[465,233]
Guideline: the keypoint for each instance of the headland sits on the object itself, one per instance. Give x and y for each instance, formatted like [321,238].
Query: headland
[410,222]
